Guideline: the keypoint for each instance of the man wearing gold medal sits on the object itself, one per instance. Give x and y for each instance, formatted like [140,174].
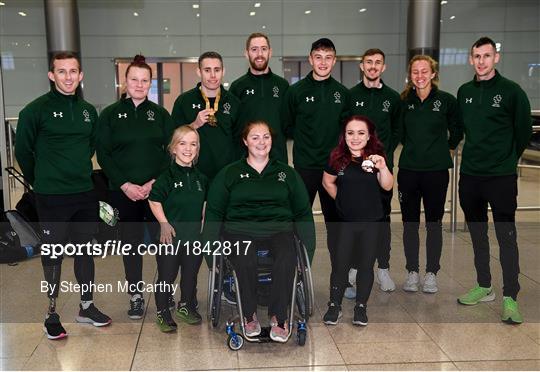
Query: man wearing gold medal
[212,111]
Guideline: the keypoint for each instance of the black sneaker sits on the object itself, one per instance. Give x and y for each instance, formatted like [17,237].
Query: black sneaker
[53,328]
[332,314]
[228,294]
[188,315]
[165,321]
[93,316]
[171,304]
[136,308]
[360,316]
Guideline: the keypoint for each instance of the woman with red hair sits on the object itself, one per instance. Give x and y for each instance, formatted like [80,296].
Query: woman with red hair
[355,173]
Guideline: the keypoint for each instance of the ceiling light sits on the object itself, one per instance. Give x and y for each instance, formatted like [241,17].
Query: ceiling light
[443,2]
[307,12]
[198,14]
[362,10]
[2,3]
[263,27]
[22,14]
[257,5]
[452,17]
[195,6]
[135,14]
[251,14]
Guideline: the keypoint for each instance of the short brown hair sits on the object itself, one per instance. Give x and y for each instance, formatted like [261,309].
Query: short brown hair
[64,55]
[256,35]
[210,55]
[372,52]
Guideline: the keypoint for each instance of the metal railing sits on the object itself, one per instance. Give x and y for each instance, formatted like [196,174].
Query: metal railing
[7,153]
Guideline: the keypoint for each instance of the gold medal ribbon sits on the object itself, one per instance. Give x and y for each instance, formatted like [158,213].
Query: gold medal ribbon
[212,120]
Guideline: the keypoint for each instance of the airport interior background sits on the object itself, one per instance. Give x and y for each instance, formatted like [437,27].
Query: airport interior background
[406,331]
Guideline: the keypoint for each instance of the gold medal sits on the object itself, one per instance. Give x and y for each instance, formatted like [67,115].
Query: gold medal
[212,120]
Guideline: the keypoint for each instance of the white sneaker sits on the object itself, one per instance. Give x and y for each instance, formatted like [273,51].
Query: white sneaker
[386,284]
[350,292]
[411,284]
[430,283]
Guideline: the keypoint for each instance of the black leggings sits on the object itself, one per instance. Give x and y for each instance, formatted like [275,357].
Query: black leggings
[168,266]
[358,243]
[431,186]
[283,252]
[68,218]
[133,215]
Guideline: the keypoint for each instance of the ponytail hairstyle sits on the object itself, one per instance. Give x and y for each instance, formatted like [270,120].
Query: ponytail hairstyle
[341,156]
[434,69]
[140,62]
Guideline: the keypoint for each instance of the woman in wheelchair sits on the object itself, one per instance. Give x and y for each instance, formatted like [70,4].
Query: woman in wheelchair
[264,201]
[356,172]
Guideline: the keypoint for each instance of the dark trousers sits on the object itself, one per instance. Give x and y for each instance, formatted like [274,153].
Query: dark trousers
[313,180]
[358,244]
[168,266]
[431,187]
[283,253]
[385,234]
[69,218]
[133,215]
[475,192]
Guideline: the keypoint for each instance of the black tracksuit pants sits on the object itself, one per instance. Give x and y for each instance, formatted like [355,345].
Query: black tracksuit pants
[475,192]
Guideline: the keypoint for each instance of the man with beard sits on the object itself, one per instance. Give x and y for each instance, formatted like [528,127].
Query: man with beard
[372,98]
[262,93]
[212,111]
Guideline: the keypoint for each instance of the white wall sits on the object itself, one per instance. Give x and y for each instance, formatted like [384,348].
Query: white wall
[168,28]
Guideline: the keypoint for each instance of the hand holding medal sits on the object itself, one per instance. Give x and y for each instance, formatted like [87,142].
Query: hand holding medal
[212,120]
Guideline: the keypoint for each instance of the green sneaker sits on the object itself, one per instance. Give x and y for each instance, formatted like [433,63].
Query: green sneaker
[165,321]
[510,311]
[190,316]
[476,295]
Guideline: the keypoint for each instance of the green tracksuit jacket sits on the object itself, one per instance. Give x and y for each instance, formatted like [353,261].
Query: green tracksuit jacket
[498,126]
[55,143]
[429,130]
[132,141]
[382,105]
[217,143]
[259,205]
[181,192]
[313,114]
[261,97]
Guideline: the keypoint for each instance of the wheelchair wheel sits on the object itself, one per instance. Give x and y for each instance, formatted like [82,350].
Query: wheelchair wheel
[304,277]
[215,303]
[235,342]
[301,336]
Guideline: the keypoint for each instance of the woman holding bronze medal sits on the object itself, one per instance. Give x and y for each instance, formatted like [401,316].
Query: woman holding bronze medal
[212,111]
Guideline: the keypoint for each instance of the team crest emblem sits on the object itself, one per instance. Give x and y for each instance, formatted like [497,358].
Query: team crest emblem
[337,96]
[281,176]
[150,115]
[386,105]
[86,115]
[227,108]
[437,105]
[496,100]
[275,89]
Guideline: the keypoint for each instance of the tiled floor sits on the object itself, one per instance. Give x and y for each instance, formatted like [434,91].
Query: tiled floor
[406,331]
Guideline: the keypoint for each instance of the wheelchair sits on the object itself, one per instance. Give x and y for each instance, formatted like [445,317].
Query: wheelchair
[222,273]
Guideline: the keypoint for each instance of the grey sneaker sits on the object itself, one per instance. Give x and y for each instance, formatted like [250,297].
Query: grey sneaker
[430,283]
[386,284]
[411,284]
